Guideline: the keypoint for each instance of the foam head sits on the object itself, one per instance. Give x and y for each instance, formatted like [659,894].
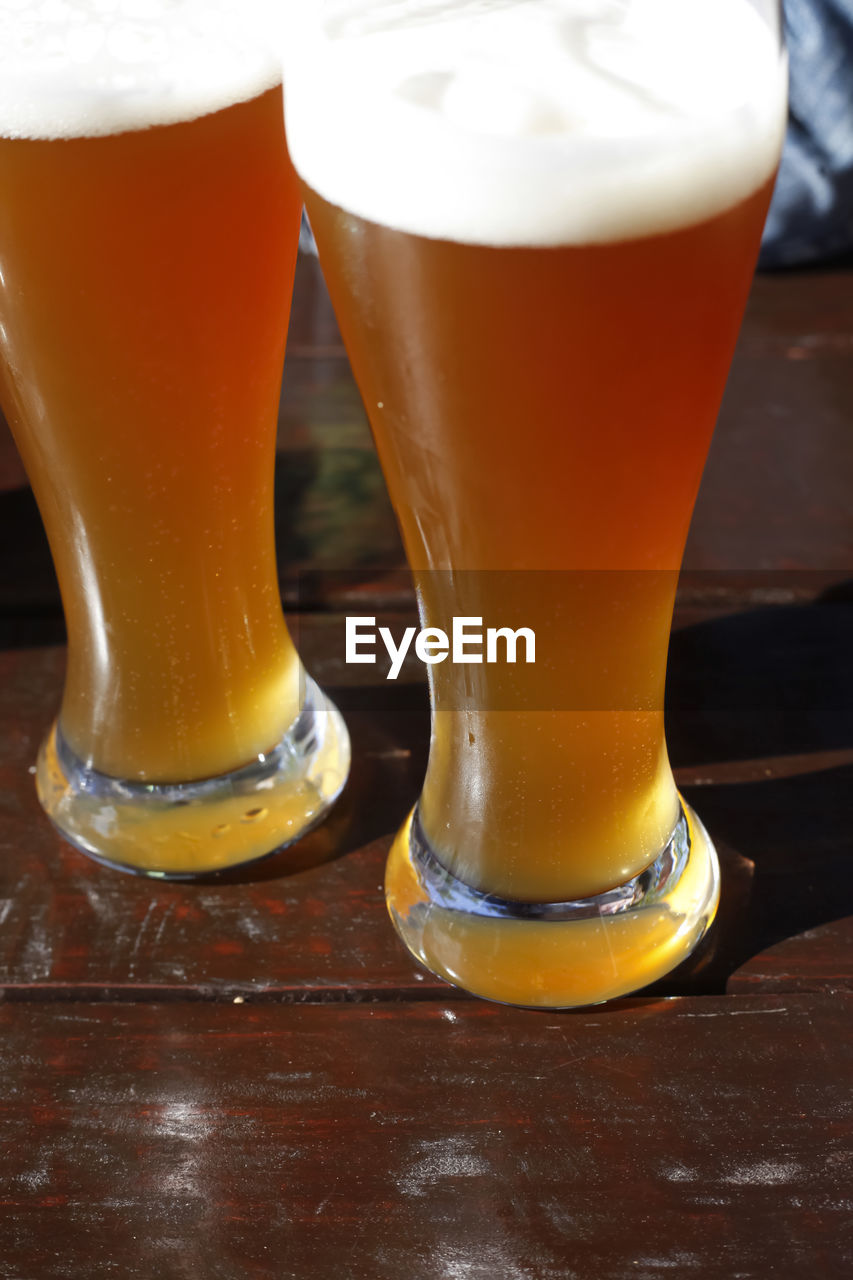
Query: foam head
[76,68]
[534,121]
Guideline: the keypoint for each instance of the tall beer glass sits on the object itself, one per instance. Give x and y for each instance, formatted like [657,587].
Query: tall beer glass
[148,227]
[538,220]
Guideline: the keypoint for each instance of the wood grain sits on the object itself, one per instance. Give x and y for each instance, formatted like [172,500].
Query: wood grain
[819,960]
[687,1137]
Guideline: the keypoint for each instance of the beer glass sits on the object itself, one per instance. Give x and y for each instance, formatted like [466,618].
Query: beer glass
[538,221]
[148,228]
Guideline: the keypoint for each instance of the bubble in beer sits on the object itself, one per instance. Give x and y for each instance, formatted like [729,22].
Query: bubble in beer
[254,815]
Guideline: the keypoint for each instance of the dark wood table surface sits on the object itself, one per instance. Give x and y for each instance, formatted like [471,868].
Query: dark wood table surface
[250,1078]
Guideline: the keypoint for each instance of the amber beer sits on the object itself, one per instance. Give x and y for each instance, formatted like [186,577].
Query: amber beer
[539,277]
[146,279]
[562,422]
[124,253]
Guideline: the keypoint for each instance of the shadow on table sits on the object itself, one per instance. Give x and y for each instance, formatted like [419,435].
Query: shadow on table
[30,607]
[765,683]
[756,686]
[772,681]
[798,832]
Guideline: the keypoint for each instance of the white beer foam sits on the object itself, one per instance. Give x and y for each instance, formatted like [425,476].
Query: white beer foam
[72,68]
[534,121]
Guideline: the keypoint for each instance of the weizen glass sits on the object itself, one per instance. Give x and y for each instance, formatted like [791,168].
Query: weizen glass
[538,221]
[148,228]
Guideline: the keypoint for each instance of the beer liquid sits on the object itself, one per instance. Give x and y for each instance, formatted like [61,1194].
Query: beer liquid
[546,412]
[538,229]
[145,279]
[526,962]
[538,220]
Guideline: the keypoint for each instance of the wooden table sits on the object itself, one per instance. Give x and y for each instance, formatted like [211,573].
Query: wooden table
[250,1078]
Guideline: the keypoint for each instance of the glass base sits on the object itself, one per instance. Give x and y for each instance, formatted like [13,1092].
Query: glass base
[178,831]
[554,954]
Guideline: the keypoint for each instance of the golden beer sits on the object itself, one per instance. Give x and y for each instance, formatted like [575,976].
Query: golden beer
[565,436]
[539,244]
[146,315]
[146,282]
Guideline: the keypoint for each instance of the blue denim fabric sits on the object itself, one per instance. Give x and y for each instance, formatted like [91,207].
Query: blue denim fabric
[811,216]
